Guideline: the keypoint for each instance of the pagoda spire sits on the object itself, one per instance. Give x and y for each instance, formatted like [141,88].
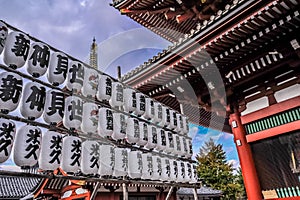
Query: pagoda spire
[94,54]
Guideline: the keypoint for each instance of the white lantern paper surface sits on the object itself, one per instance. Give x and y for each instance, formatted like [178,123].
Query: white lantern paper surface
[58,68]
[90,157]
[161,140]
[165,121]
[71,154]
[149,108]
[16,49]
[152,137]
[104,88]
[7,135]
[157,112]
[75,76]
[143,134]
[121,164]
[185,122]
[179,126]
[147,171]
[105,122]
[54,106]
[3,35]
[89,118]
[117,98]
[173,170]
[90,82]
[107,160]
[51,151]
[135,164]
[10,90]
[166,169]
[157,168]
[119,126]
[132,130]
[140,104]
[38,59]
[169,142]
[33,100]
[27,146]
[173,120]
[129,100]
[73,112]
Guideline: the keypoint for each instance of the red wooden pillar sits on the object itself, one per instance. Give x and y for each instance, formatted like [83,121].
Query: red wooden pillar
[245,156]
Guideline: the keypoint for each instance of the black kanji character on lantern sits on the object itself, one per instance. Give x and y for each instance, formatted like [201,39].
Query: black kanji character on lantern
[159,168]
[6,136]
[77,74]
[154,135]
[168,168]
[76,152]
[11,88]
[168,115]
[95,156]
[123,124]
[109,120]
[171,142]
[112,157]
[182,170]
[136,128]
[108,84]
[34,143]
[140,162]
[174,119]
[119,90]
[178,144]
[175,168]
[134,99]
[142,102]
[152,107]
[150,165]
[75,110]
[37,98]
[21,47]
[124,160]
[40,55]
[189,170]
[3,35]
[56,148]
[57,103]
[145,127]
[159,109]
[163,137]
[62,65]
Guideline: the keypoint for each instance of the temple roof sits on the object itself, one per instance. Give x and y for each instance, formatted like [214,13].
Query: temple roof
[246,44]
[201,191]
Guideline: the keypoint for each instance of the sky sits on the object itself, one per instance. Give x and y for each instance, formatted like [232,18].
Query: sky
[71,25]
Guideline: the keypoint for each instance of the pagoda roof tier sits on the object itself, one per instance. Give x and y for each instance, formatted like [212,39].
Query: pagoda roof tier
[251,48]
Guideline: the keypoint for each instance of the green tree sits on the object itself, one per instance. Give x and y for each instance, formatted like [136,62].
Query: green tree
[214,170]
[241,193]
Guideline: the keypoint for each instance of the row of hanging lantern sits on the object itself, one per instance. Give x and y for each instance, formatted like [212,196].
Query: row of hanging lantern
[52,150]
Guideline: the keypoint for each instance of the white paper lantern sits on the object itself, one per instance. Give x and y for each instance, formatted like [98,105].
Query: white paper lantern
[179,126]
[75,76]
[117,98]
[104,88]
[121,166]
[185,122]
[90,120]
[149,108]
[105,122]
[27,146]
[166,170]
[161,140]
[132,130]
[54,106]
[73,112]
[107,160]
[58,68]
[129,100]
[135,164]
[119,126]
[147,171]
[38,59]
[71,154]
[169,142]
[173,170]
[165,121]
[51,151]
[90,82]
[3,35]
[140,104]
[143,133]
[7,135]
[33,100]
[16,49]
[91,157]
[10,90]
[157,168]
[157,112]
[152,137]
[173,120]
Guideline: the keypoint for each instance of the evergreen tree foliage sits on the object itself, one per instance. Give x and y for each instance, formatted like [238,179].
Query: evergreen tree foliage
[214,171]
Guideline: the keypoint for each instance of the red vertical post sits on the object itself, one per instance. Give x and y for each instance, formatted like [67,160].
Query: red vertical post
[245,156]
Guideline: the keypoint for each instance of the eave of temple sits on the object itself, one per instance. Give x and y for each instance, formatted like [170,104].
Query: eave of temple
[239,43]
